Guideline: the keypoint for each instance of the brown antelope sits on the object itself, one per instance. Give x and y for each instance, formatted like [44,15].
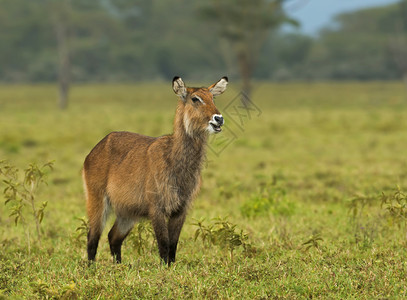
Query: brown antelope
[151,177]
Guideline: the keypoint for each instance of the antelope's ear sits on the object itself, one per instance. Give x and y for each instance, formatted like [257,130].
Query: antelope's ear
[179,87]
[219,87]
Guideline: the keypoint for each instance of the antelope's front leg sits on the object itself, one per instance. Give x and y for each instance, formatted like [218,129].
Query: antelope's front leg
[161,233]
[175,224]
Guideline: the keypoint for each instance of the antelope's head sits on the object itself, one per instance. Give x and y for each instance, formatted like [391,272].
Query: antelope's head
[199,111]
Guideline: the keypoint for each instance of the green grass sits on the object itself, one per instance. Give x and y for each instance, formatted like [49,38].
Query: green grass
[312,165]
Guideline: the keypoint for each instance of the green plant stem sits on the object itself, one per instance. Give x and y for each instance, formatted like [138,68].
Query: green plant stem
[28,240]
[37,224]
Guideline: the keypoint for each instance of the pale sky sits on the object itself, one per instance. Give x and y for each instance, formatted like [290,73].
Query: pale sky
[315,14]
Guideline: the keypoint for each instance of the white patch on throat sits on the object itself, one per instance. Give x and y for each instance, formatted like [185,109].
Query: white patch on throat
[187,124]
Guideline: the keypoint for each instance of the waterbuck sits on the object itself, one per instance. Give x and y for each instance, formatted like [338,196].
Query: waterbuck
[139,176]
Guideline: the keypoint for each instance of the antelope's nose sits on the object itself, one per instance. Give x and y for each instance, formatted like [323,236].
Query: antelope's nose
[219,120]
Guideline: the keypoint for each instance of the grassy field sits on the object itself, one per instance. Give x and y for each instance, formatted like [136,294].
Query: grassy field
[300,195]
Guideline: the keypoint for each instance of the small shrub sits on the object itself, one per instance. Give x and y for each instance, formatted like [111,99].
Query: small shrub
[313,242]
[22,193]
[205,232]
[80,234]
[223,234]
[141,236]
[396,206]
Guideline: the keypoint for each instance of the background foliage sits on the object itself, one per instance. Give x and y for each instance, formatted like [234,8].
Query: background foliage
[149,40]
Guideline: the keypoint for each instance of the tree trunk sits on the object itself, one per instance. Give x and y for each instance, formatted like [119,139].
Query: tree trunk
[246,70]
[246,89]
[64,65]
[226,48]
[61,15]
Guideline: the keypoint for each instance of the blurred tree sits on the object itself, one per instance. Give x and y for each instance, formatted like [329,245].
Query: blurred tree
[61,12]
[283,56]
[24,35]
[356,46]
[245,25]
[398,43]
[128,40]
[77,23]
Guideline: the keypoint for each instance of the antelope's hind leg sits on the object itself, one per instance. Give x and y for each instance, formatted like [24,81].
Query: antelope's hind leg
[98,211]
[117,234]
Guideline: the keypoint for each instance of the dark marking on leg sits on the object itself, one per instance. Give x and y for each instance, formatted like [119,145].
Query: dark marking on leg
[92,246]
[161,233]
[175,224]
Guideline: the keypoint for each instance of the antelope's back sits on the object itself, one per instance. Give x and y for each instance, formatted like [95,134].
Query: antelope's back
[117,153]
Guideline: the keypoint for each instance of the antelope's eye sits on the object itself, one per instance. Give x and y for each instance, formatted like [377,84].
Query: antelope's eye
[195,99]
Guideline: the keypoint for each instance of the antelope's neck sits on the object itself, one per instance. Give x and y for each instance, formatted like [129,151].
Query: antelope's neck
[188,149]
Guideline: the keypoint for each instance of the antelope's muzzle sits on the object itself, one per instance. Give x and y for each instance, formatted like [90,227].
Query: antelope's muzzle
[216,123]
